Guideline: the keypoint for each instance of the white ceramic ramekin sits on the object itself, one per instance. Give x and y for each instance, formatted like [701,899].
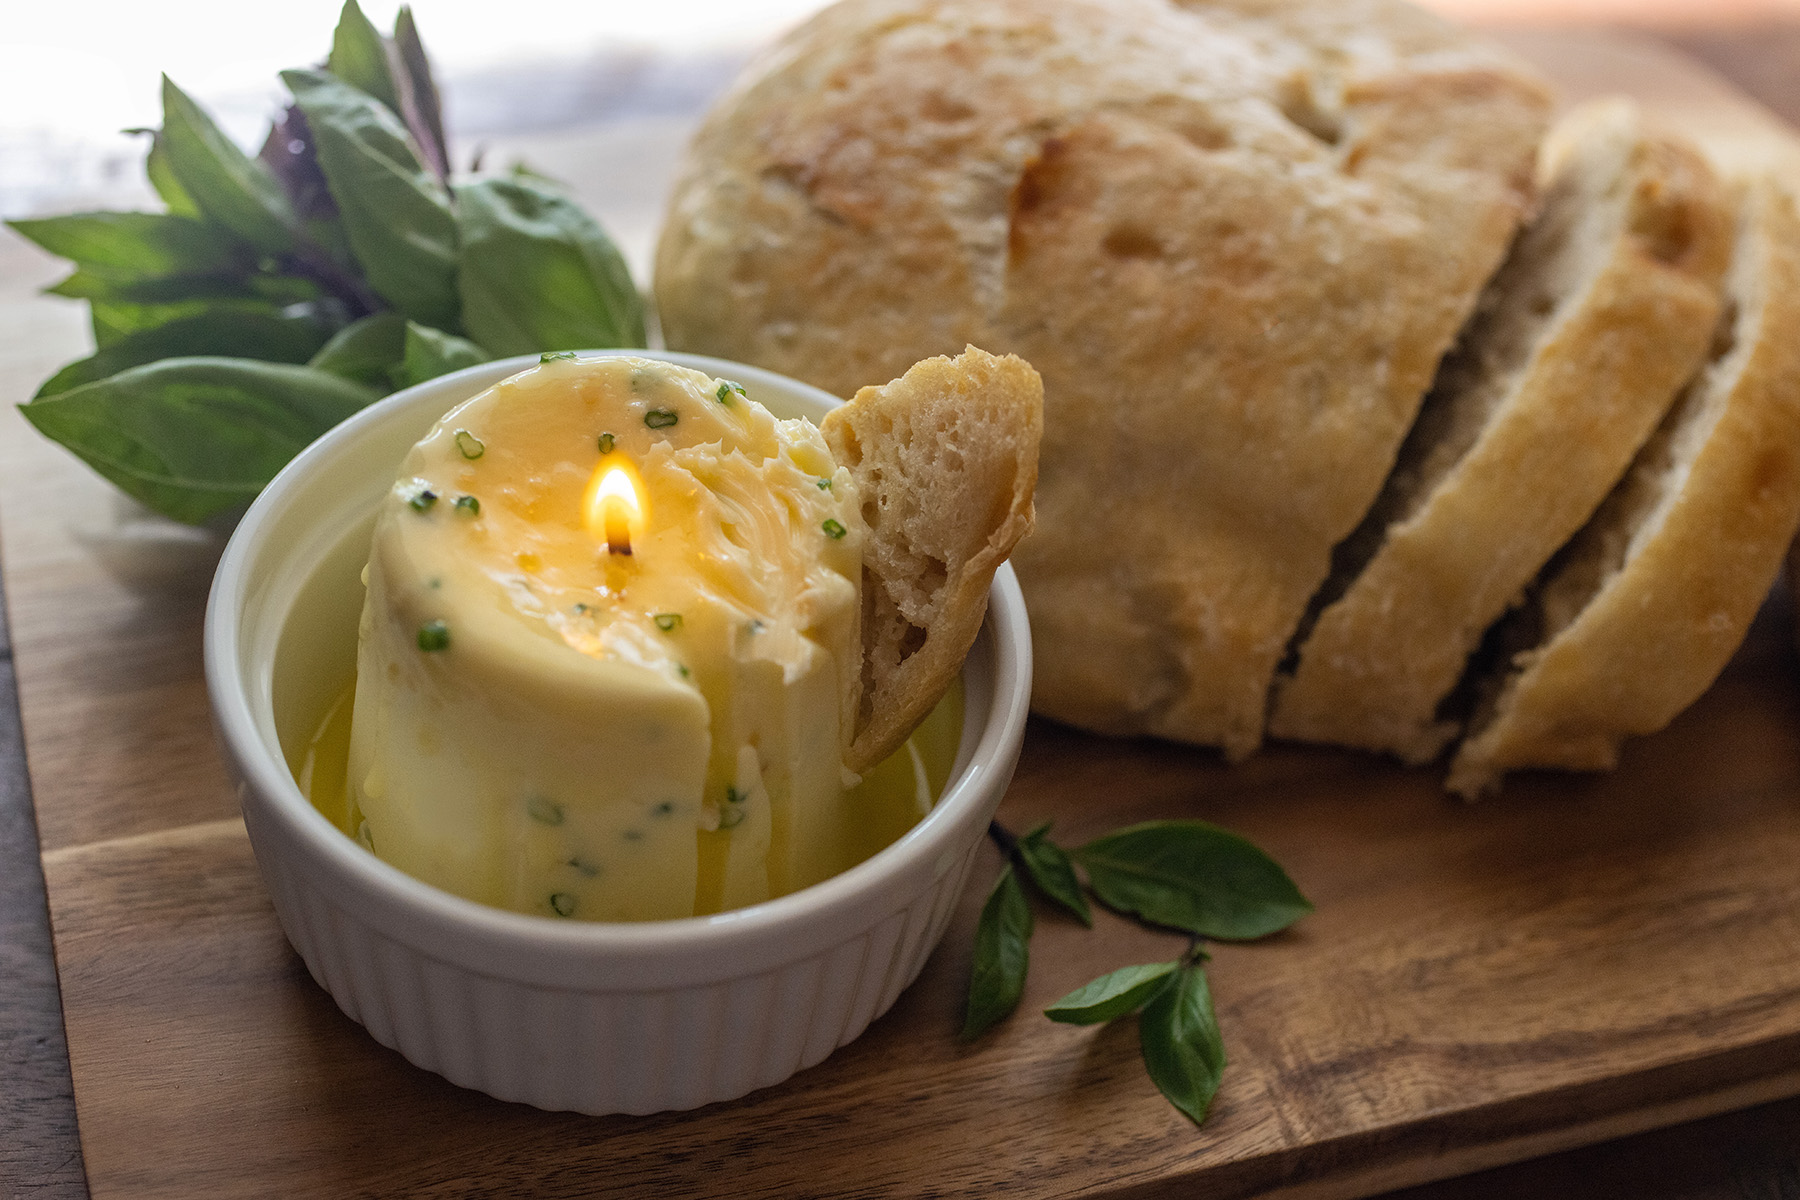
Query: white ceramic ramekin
[597,1018]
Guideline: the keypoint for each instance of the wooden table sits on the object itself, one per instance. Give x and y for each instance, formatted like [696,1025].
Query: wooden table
[1750,1153]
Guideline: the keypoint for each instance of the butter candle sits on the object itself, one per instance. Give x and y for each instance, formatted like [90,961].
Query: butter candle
[609,649]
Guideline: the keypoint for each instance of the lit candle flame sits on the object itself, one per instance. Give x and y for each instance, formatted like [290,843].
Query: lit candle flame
[614,503]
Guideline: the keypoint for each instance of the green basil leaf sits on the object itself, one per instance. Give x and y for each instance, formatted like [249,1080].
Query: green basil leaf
[167,289]
[1112,995]
[1002,955]
[279,290]
[367,351]
[1183,1051]
[419,104]
[226,185]
[394,212]
[524,172]
[432,352]
[191,437]
[1049,867]
[538,274]
[286,339]
[114,319]
[162,179]
[1194,876]
[359,56]
[127,246]
[285,289]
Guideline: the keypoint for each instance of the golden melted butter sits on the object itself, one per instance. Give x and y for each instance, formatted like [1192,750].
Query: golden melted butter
[548,724]
[889,801]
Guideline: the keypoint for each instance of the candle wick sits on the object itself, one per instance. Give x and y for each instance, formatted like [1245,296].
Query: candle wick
[618,527]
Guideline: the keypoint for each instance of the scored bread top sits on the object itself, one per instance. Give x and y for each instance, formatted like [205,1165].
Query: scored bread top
[945,462]
[1603,309]
[1638,615]
[1235,238]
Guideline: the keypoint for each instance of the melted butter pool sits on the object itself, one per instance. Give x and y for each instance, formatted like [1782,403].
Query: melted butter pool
[890,799]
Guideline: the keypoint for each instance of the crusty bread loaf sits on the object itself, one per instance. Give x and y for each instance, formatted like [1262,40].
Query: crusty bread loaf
[1235,237]
[1603,310]
[945,461]
[1637,616]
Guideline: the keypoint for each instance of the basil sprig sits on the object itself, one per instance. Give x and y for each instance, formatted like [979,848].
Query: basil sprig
[280,292]
[1179,1038]
[194,436]
[1002,954]
[1184,875]
[1193,876]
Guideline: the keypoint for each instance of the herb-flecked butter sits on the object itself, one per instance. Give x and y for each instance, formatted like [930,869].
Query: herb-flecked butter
[596,738]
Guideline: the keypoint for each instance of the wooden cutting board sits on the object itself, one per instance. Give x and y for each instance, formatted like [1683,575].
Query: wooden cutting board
[1580,959]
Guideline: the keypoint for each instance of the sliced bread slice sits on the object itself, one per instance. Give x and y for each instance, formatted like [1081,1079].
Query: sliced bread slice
[1603,309]
[1638,615]
[945,461]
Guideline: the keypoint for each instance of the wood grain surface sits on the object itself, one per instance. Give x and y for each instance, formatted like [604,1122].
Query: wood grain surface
[1579,961]
[40,1155]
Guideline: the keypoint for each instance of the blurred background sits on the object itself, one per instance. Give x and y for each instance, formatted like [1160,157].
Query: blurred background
[601,91]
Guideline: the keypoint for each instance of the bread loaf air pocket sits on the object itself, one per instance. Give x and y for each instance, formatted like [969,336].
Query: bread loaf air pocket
[1234,239]
[1603,309]
[1640,612]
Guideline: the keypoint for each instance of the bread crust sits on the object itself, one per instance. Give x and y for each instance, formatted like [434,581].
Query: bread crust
[1603,310]
[1644,608]
[945,461]
[1234,237]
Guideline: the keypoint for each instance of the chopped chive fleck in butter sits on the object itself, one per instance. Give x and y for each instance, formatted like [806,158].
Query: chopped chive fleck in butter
[559,758]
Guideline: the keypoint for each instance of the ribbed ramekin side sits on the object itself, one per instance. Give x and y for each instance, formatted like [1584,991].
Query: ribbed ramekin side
[693,1017]
[751,1009]
[913,932]
[562,1028]
[609,1052]
[884,945]
[289,913]
[945,906]
[840,970]
[934,911]
[784,1038]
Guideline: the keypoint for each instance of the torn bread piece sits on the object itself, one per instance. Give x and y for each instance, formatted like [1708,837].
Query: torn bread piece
[1603,309]
[1639,614]
[945,461]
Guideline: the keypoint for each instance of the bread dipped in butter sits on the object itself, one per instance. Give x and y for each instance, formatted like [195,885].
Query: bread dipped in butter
[945,463]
